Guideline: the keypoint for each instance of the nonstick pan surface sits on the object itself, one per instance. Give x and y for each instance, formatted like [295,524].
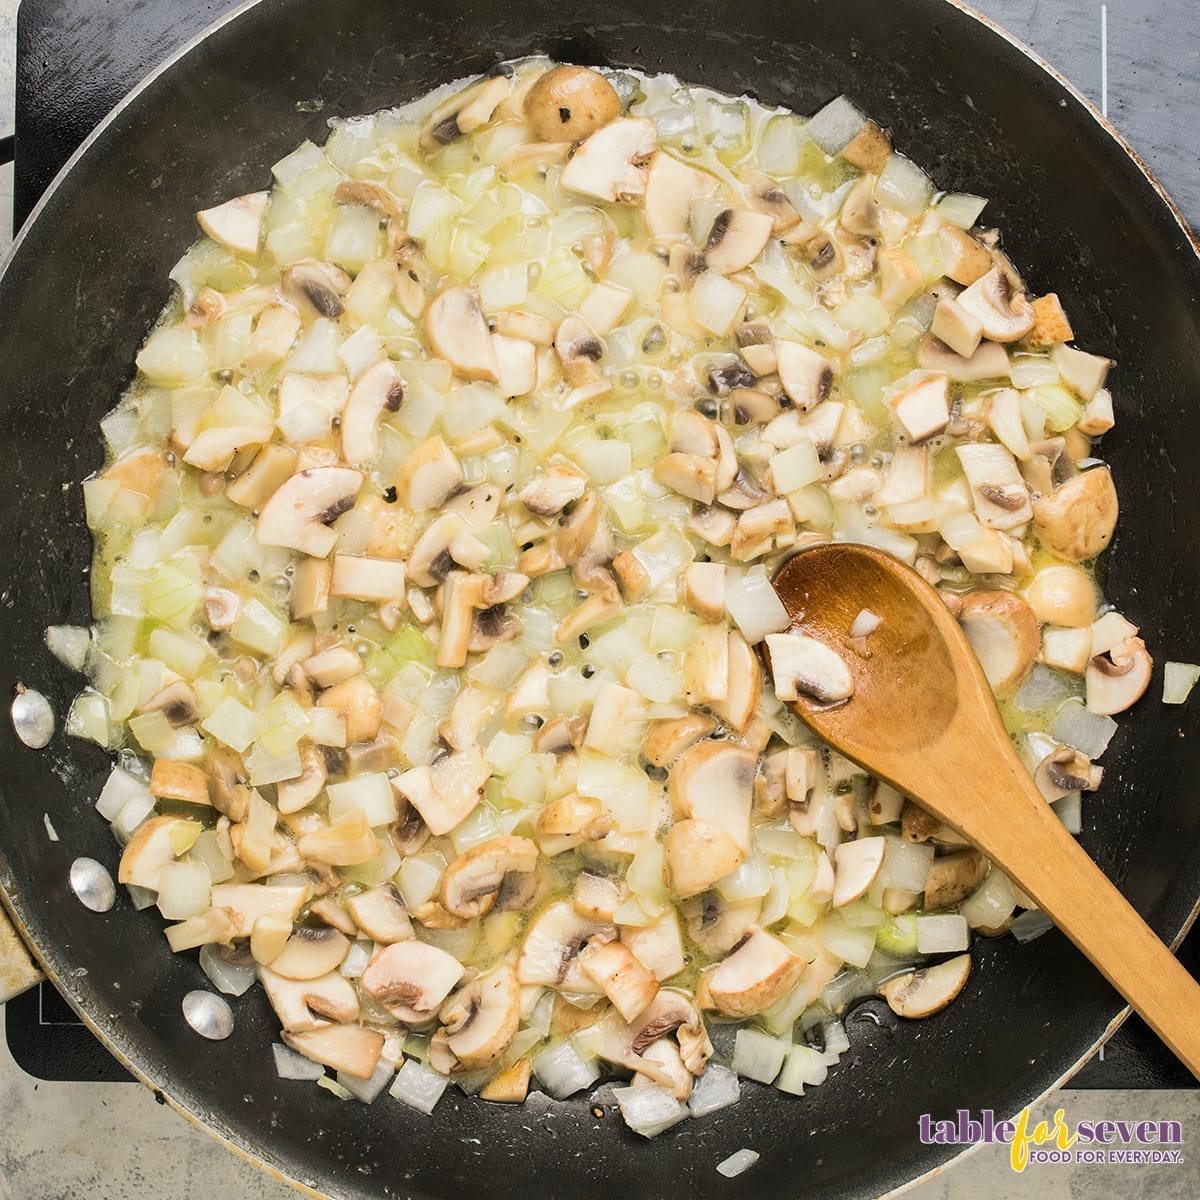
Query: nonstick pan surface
[88,277]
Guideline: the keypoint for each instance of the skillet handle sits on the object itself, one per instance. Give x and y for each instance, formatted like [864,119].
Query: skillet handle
[17,970]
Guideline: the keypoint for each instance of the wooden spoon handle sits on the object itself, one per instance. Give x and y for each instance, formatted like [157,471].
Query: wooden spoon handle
[1035,849]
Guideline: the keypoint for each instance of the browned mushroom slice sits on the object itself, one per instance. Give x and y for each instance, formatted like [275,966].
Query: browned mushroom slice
[457,332]
[358,703]
[550,492]
[471,883]
[758,971]
[928,990]
[346,842]
[570,821]
[509,1086]
[620,975]
[568,103]
[610,164]
[952,878]
[148,851]
[667,739]
[714,781]
[919,402]
[381,914]
[478,1023]
[447,792]
[236,224]
[698,853]
[350,1048]
[299,514]
[429,476]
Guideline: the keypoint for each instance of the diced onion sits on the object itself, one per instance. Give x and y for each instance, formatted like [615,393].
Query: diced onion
[1178,680]
[738,1162]
[757,1056]
[290,1065]
[717,1088]
[368,1090]
[754,605]
[562,1071]
[945,933]
[1085,731]
[418,1086]
[69,644]
[236,979]
[1030,925]
[836,125]
[118,790]
[649,1109]
[991,904]
[906,864]
[802,1067]
[865,624]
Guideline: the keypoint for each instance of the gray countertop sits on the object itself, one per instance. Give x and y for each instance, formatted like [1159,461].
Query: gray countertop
[67,1141]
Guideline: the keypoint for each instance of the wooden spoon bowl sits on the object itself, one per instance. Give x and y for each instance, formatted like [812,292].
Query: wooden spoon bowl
[923,718]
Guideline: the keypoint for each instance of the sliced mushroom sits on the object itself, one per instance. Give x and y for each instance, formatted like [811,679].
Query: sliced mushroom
[671,189]
[1003,632]
[859,214]
[457,332]
[236,224]
[447,792]
[429,476]
[807,376]
[704,589]
[919,402]
[471,883]
[509,1086]
[1064,771]
[744,688]
[567,104]
[666,740]
[411,979]
[248,902]
[736,239]
[464,113]
[307,1004]
[698,853]
[856,864]
[377,390]
[928,990]
[633,1044]
[756,343]
[550,492]
[177,702]
[550,948]
[150,849]
[445,545]
[958,328]
[1077,519]
[358,703]
[1083,372]
[620,975]
[350,1048]
[478,1023]
[802,666]
[952,878]
[611,164]
[311,952]
[759,970]
[381,914]
[299,514]
[1117,680]
[990,361]
[714,782]
[999,493]
[346,842]
[1004,315]
[292,795]
[316,287]
[715,924]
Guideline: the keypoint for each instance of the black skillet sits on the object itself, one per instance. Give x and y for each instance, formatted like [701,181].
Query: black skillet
[88,277]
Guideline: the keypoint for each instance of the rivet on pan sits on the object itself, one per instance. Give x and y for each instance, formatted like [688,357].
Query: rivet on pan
[208,1014]
[92,883]
[32,717]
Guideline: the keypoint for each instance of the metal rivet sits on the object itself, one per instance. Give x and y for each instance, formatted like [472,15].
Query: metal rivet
[208,1014]
[92,883]
[32,718]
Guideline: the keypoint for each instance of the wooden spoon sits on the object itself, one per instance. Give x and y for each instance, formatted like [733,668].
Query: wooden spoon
[922,717]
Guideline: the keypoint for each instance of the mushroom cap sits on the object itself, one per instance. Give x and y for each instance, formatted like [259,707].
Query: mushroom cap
[471,883]
[1116,681]
[569,103]
[928,990]
[550,949]
[316,287]
[952,878]
[411,979]
[1063,595]
[758,971]
[1003,632]
[299,514]
[1077,519]
[478,1023]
